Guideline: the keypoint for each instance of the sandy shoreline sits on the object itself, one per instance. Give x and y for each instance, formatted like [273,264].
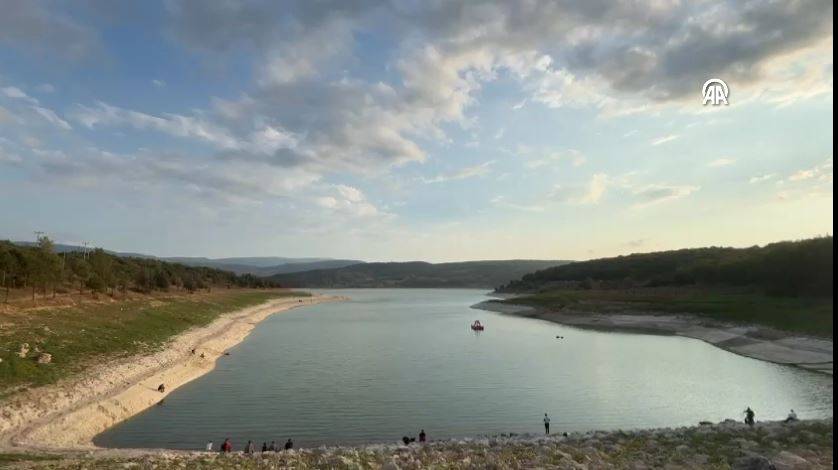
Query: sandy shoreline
[67,415]
[751,341]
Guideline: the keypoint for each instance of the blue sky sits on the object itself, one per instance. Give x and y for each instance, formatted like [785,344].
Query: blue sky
[411,130]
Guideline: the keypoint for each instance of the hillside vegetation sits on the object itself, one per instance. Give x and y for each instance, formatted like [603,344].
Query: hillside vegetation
[793,269]
[474,274]
[39,270]
[78,333]
[785,286]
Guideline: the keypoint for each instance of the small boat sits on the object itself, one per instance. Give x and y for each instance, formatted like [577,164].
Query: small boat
[476,326]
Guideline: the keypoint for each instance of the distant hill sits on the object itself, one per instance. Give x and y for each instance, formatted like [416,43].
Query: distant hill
[476,274]
[254,261]
[793,268]
[291,265]
[256,265]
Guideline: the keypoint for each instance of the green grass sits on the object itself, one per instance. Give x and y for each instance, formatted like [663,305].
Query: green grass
[811,316]
[79,336]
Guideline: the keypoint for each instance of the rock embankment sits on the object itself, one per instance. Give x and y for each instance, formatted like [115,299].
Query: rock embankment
[774,445]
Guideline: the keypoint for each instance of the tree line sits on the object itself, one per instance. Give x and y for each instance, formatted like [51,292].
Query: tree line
[791,268]
[45,272]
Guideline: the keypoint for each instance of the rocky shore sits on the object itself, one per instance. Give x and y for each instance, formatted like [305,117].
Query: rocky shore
[769,445]
[753,341]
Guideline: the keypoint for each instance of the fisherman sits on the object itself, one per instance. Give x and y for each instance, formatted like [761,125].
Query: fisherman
[749,416]
[289,444]
[227,446]
[264,447]
[422,436]
[792,417]
[209,446]
[250,448]
[546,424]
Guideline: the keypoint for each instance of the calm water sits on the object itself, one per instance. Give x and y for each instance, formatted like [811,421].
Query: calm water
[392,361]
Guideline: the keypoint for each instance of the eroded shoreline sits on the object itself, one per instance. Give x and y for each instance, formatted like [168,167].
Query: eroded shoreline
[729,444]
[751,341]
[67,415]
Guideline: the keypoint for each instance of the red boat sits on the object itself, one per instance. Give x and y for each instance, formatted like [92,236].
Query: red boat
[476,326]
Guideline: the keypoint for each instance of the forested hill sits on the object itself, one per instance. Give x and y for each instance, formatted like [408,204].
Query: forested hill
[792,268]
[476,274]
[43,270]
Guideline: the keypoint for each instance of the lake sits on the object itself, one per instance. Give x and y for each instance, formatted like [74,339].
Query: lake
[390,362]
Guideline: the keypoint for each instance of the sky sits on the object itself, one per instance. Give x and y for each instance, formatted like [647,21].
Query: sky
[414,129]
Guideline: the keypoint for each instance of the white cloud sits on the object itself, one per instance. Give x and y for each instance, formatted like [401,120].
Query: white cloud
[51,117]
[15,92]
[501,202]
[720,162]
[656,194]
[761,178]
[349,201]
[592,193]
[481,169]
[663,139]
[573,156]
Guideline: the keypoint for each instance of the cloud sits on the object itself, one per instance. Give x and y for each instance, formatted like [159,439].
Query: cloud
[822,172]
[228,182]
[720,162]
[573,156]
[663,139]
[158,83]
[481,169]
[637,195]
[16,93]
[655,194]
[349,201]
[33,105]
[592,193]
[44,27]
[761,178]
[500,201]
[50,116]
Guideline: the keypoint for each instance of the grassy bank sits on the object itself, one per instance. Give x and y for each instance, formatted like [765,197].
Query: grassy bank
[81,334]
[812,316]
[805,444]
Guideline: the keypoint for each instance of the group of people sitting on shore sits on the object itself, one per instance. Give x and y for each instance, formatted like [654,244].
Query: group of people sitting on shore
[250,447]
[409,440]
[750,416]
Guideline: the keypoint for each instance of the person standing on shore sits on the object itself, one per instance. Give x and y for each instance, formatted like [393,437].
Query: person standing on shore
[289,444]
[227,446]
[209,446]
[749,416]
[422,436]
[250,448]
[546,424]
[272,447]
